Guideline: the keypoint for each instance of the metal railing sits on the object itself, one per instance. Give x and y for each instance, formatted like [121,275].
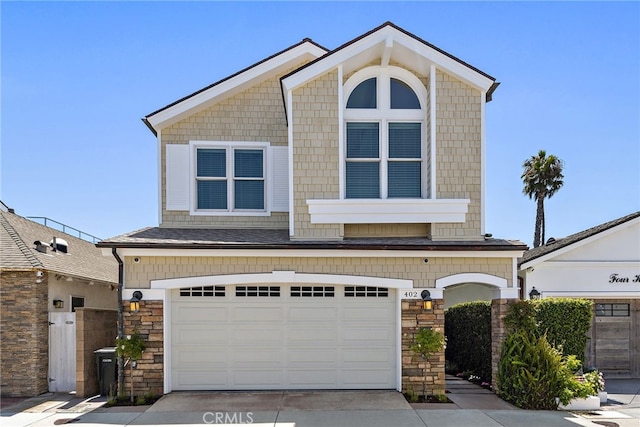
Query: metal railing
[48,222]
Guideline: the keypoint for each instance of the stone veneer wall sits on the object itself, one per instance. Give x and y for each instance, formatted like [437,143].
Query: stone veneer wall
[415,317]
[499,309]
[24,334]
[95,329]
[148,377]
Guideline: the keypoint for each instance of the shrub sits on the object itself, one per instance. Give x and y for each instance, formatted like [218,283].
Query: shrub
[468,330]
[532,373]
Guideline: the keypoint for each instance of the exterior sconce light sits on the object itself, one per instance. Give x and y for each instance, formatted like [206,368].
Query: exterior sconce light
[58,303]
[134,303]
[427,302]
[534,294]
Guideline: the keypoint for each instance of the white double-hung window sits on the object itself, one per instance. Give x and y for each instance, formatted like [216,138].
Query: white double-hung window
[230,178]
[384,135]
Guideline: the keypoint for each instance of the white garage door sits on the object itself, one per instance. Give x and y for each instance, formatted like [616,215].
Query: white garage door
[283,337]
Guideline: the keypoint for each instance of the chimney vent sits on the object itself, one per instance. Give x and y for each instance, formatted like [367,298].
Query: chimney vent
[41,247]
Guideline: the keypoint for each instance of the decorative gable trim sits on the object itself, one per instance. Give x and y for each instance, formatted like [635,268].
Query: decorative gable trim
[388,42]
[229,86]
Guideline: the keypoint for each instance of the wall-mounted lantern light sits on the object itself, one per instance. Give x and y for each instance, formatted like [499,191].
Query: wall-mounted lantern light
[427,302]
[134,303]
[58,303]
[534,294]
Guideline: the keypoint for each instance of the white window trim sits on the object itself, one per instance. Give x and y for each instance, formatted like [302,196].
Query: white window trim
[229,146]
[383,115]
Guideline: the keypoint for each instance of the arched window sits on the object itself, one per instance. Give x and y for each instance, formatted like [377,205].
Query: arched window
[384,143]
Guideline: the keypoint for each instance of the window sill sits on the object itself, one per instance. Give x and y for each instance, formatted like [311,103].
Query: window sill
[229,213]
[387,211]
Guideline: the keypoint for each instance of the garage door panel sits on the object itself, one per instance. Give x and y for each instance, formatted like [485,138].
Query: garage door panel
[321,336]
[369,334]
[265,357]
[312,314]
[197,334]
[312,358]
[252,343]
[375,314]
[251,314]
[367,354]
[263,337]
[206,358]
[191,313]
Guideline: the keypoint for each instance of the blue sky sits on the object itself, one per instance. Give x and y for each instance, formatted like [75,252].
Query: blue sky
[78,76]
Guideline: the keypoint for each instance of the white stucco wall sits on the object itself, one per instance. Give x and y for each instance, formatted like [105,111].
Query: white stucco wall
[98,295]
[604,266]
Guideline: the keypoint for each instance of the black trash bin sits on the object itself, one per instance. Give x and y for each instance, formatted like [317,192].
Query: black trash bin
[107,370]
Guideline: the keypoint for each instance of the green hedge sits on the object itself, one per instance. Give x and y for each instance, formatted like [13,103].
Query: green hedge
[467,327]
[564,321]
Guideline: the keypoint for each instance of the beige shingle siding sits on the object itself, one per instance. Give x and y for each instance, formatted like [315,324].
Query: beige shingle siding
[424,275]
[256,114]
[458,153]
[315,153]
[387,230]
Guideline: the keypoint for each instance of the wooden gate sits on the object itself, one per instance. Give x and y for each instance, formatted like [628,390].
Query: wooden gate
[615,338]
[62,352]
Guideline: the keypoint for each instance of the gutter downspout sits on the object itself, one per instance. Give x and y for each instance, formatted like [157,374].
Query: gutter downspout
[114,251]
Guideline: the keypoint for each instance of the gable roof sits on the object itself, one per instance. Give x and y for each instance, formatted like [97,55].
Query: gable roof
[17,251]
[305,50]
[390,42]
[574,239]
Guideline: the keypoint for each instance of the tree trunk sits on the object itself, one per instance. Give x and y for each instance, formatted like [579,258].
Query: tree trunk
[538,237]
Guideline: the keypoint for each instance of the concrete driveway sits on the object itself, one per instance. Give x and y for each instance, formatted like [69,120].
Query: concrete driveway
[280,401]
[315,409]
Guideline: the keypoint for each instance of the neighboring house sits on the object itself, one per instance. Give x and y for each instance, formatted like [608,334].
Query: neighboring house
[305,204]
[602,264]
[47,276]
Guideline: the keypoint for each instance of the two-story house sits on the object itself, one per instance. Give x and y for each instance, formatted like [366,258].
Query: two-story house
[305,203]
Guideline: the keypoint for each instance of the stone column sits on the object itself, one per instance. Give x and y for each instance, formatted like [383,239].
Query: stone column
[415,317]
[149,374]
[499,309]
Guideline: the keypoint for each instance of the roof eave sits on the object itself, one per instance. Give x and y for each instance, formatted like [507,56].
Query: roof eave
[306,49]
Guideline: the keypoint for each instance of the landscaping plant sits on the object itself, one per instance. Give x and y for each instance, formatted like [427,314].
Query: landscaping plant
[426,342]
[130,348]
[532,373]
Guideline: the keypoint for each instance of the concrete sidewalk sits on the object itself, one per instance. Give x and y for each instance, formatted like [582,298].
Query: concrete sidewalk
[317,409]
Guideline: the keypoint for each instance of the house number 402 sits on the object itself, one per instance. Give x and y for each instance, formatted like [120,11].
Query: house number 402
[410,295]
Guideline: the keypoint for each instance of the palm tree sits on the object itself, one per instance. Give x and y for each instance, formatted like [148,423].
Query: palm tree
[542,178]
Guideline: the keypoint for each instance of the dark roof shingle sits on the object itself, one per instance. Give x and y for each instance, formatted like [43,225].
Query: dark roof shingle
[222,238]
[574,238]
